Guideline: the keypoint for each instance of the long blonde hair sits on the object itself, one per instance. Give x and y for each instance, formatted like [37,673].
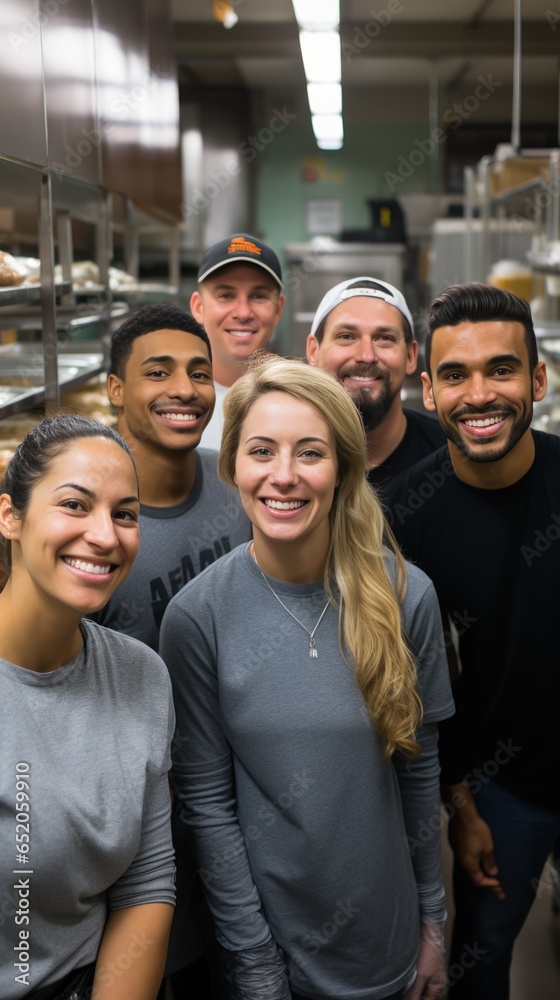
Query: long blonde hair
[358,581]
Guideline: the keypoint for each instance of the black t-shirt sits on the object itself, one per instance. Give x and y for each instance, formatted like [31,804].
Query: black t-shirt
[422,436]
[494,557]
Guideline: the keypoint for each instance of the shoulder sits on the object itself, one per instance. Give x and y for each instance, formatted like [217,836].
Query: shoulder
[208,459]
[214,586]
[422,481]
[122,655]
[417,582]
[546,444]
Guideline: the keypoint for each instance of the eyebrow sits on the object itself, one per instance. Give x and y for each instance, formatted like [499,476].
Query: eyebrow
[233,288]
[90,493]
[305,440]
[162,359]
[353,328]
[500,359]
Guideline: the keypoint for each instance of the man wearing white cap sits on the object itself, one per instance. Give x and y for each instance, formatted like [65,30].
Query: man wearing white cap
[362,332]
[238,301]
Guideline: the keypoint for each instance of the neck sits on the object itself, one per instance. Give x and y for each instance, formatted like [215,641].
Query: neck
[291,562]
[166,477]
[495,475]
[227,371]
[382,440]
[33,636]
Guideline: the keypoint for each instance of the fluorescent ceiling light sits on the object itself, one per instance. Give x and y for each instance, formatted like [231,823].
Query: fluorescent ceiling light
[320,51]
[329,143]
[324,98]
[327,126]
[317,13]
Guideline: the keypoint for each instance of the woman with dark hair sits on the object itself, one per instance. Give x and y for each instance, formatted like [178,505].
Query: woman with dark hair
[86,721]
[309,675]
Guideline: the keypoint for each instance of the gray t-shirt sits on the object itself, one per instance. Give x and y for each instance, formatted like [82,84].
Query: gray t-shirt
[84,803]
[298,819]
[176,543]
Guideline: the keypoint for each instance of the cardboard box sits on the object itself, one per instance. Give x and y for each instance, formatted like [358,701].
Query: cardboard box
[518,170]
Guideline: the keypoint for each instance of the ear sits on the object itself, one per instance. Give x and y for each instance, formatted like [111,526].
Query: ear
[279,307]
[428,392]
[411,357]
[9,524]
[540,382]
[312,351]
[196,307]
[115,391]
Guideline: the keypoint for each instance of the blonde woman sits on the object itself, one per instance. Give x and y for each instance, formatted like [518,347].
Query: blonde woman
[309,677]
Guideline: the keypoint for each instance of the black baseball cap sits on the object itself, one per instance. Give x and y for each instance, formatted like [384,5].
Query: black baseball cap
[240,247]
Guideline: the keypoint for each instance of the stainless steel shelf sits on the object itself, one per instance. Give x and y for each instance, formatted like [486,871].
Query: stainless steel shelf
[67,318]
[28,293]
[22,364]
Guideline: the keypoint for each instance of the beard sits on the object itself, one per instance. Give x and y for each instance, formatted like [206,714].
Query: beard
[487,450]
[373,409]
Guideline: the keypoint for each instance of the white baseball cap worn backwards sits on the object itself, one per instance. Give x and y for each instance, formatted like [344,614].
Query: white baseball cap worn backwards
[375,289]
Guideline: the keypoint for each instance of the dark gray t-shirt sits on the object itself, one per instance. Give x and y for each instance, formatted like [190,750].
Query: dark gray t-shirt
[87,828]
[298,819]
[176,543]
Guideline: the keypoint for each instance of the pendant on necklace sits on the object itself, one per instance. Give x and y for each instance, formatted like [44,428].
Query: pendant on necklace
[312,650]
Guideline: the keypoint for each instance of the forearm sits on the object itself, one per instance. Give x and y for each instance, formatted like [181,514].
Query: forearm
[419,787]
[132,953]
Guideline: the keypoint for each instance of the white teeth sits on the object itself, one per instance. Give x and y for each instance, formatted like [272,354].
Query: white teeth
[88,567]
[186,417]
[484,423]
[241,333]
[363,378]
[284,505]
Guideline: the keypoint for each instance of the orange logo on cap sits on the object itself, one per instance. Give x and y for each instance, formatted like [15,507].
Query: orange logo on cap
[240,243]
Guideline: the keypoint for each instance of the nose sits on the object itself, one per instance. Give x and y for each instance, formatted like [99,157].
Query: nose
[243,307]
[100,530]
[182,386]
[365,351]
[283,472]
[479,391]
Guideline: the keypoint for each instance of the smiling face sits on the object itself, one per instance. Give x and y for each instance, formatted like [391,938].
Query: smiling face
[167,396]
[363,345]
[239,306]
[79,534]
[286,471]
[482,388]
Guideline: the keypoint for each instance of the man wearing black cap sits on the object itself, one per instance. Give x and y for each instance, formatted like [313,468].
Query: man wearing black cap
[239,301]
[362,333]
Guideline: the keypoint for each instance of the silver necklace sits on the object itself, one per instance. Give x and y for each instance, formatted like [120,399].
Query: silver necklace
[312,643]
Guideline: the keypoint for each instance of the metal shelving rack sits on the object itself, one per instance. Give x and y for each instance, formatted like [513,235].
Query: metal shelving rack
[34,372]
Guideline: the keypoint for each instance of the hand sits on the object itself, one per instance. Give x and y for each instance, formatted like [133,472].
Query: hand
[430,979]
[472,844]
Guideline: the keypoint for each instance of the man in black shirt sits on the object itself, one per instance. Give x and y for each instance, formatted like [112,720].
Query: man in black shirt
[482,518]
[362,332]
